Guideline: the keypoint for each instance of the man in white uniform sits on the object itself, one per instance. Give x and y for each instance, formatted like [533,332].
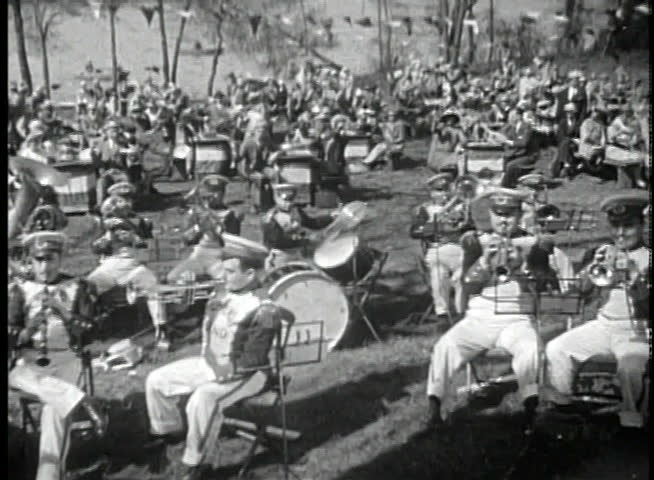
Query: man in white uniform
[53,310]
[485,325]
[237,333]
[622,321]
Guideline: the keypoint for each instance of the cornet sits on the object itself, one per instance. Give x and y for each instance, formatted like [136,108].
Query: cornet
[609,268]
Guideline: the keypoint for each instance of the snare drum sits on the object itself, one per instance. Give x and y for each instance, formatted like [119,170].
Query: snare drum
[344,258]
[312,297]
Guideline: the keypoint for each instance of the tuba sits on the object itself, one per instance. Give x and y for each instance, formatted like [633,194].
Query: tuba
[32,175]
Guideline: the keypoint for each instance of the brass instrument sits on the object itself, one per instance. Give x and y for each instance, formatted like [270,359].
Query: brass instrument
[609,268]
[31,175]
[185,293]
[465,191]
[505,255]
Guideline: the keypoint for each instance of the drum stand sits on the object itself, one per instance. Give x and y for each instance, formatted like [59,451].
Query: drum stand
[359,291]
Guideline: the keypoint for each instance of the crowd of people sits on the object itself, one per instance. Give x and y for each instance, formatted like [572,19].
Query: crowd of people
[588,122]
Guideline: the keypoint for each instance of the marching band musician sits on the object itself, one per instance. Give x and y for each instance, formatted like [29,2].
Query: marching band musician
[119,264]
[47,215]
[205,223]
[619,328]
[51,311]
[237,333]
[286,226]
[506,248]
[443,255]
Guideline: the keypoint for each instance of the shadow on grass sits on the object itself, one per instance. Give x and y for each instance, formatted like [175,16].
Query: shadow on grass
[321,417]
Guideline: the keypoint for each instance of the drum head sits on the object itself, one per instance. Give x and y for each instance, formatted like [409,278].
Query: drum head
[335,252]
[312,297]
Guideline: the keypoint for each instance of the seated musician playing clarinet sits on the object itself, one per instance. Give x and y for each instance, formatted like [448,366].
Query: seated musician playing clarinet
[237,333]
[286,226]
[439,223]
[494,264]
[620,274]
[48,317]
[205,222]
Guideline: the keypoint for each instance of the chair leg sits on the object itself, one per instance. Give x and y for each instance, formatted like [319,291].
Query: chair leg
[250,455]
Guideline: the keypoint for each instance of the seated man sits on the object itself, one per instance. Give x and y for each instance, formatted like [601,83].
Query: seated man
[494,264]
[110,164]
[625,134]
[286,226]
[525,148]
[592,138]
[443,254]
[394,136]
[119,262]
[623,318]
[52,311]
[237,334]
[205,223]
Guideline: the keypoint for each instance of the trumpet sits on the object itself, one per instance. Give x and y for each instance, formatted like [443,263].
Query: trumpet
[609,268]
[505,255]
[185,294]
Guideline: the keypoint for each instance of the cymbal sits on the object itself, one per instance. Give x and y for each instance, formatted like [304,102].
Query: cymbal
[42,173]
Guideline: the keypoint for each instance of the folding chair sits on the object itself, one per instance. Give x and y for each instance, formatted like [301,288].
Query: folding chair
[358,292]
[261,389]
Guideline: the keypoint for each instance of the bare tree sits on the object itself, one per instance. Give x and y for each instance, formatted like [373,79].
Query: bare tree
[23,63]
[164,41]
[178,42]
[45,13]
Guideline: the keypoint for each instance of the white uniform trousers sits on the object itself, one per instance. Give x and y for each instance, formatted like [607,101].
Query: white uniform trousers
[596,337]
[481,329]
[55,388]
[190,376]
[379,150]
[443,260]
[119,270]
[203,260]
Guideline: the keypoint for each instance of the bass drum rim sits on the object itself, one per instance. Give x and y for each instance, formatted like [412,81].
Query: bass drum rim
[279,287]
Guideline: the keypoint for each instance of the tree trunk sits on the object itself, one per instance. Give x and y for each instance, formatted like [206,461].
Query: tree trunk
[389,38]
[471,41]
[459,30]
[214,62]
[114,58]
[305,34]
[491,32]
[178,43]
[44,60]
[24,65]
[164,43]
[380,36]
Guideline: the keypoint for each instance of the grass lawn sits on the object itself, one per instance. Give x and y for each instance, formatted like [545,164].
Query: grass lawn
[358,409]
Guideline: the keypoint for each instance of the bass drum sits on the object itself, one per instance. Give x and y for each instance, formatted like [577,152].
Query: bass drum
[313,297]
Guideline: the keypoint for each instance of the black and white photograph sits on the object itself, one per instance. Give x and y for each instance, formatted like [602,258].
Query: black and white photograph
[328,239]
